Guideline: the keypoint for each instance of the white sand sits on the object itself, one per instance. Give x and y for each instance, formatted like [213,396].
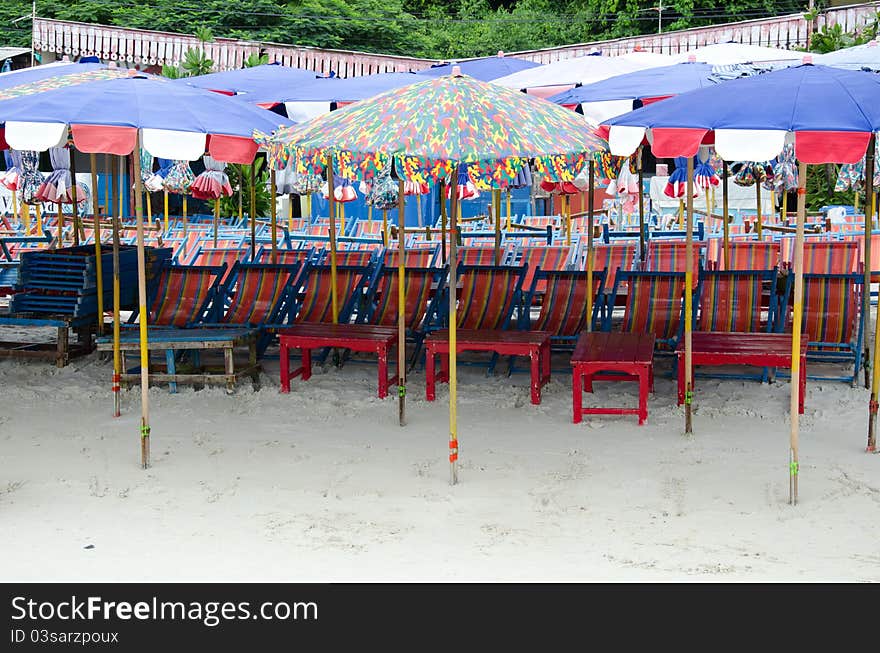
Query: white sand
[323,485]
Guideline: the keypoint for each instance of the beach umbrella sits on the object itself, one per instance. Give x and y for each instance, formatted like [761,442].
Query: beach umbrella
[831,115]
[265,80]
[858,57]
[485,68]
[725,54]
[426,131]
[116,116]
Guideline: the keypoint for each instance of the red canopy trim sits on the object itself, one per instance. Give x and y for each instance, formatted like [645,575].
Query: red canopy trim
[104,139]
[232,149]
[830,147]
[670,142]
[3,144]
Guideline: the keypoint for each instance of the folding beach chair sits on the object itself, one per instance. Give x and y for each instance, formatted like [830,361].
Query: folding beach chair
[654,304]
[314,298]
[182,294]
[750,255]
[671,256]
[547,257]
[564,306]
[424,256]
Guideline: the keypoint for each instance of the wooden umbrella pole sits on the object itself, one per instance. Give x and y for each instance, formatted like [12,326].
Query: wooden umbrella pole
[639,165]
[165,208]
[784,205]
[216,218]
[142,314]
[443,222]
[74,206]
[252,216]
[60,218]
[689,299]
[496,217]
[508,208]
[290,211]
[421,222]
[117,357]
[725,215]
[797,327]
[93,164]
[240,194]
[566,207]
[759,223]
[273,215]
[370,213]
[333,290]
[870,196]
[25,217]
[15,204]
[38,208]
[590,214]
[866,286]
[385,239]
[183,211]
[453,353]
[401,303]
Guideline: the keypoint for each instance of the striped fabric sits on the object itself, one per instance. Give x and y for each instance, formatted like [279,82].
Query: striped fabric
[181,295]
[413,258]
[671,256]
[834,257]
[611,257]
[750,255]
[219,256]
[564,309]
[368,228]
[830,309]
[540,220]
[358,257]
[488,295]
[317,304]
[480,255]
[417,293]
[548,257]
[731,301]
[653,303]
[259,291]
[285,256]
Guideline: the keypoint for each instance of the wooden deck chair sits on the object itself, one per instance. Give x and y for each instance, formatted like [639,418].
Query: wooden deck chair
[832,320]
[416,257]
[484,255]
[286,256]
[730,300]
[228,256]
[548,257]
[610,258]
[564,306]
[257,293]
[182,294]
[751,255]
[654,304]
[831,257]
[352,257]
[354,286]
[488,295]
[671,255]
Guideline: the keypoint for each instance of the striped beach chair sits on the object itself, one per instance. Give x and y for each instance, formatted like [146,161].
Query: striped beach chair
[182,294]
[731,300]
[654,304]
[671,256]
[314,303]
[257,293]
[488,295]
[564,306]
[749,255]
[414,257]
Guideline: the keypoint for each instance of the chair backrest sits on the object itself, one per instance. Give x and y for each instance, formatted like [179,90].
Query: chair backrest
[612,257]
[653,303]
[548,257]
[730,300]
[564,306]
[420,257]
[750,255]
[227,256]
[418,304]
[831,307]
[316,304]
[257,292]
[471,255]
[671,256]
[355,257]
[182,294]
[286,256]
[831,257]
[488,295]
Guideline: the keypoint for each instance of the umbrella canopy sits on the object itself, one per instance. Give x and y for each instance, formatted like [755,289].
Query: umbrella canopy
[438,123]
[105,115]
[267,79]
[725,54]
[485,69]
[793,102]
[560,75]
[859,57]
[29,75]
[614,96]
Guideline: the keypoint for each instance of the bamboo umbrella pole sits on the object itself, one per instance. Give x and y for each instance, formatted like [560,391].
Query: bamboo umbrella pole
[401,303]
[15,204]
[797,326]
[443,221]
[117,358]
[419,209]
[274,215]
[149,197]
[590,213]
[759,222]
[866,286]
[309,206]
[26,218]
[385,238]
[120,179]
[74,212]
[253,211]
[333,290]
[370,213]
[642,246]
[508,209]
[725,214]
[566,207]
[496,216]
[142,315]
[165,208]
[341,209]
[185,196]
[93,164]
[290,212]
[108,182]
[453,353]
[680,212]
[870,197]
[60,217]
[240,195]
[216,218]
[689,299]
[38,208]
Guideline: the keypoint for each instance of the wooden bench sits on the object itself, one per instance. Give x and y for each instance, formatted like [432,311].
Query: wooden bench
[759,349]
[196,340]
[612,357]
[62,350]
[356,337]
[533,344]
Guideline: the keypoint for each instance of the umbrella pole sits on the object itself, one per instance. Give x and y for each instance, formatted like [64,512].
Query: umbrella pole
[866,286]
[797,326]
[73,206]
[453,351]
[496,216]
[165,208]
[689,299]
[60,225]
[759,221]
[870,196]
[216,218]
[142,315]
[274,215]
[590,213]
[725,215]
[419,208]
[370,213]
[38,207]
[117,357]
[240,195]
[401,303]
[290,212]
[15,205]
[385,239]
[566,207]
[333,294]
[508,209]
[642,246]
[93,164]
[443,221]
[252,218]
[185,196]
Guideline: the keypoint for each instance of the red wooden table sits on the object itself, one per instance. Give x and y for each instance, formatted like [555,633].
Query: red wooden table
[533,344]
[356,337]
[760,349]
[612,357]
